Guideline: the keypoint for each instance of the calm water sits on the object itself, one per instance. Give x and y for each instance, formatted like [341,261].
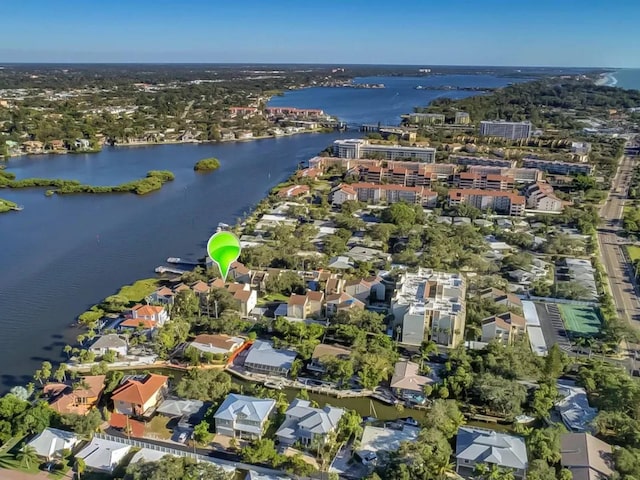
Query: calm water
[62,254]
[628,78]
[384,105]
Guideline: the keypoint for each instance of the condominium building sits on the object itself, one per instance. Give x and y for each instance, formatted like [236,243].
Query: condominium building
[511,130]
[426,118]
[520,175]
[373,194]
[540,197]
[462,118]
[361,148]
[506,328]
[430,305]
[498,201]
[423,176]
[487,162]
[555,167]
[484,182]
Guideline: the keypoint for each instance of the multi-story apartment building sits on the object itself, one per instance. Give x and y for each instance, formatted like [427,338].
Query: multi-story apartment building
[426,118]
[520,175]
[511,130]
[499,201]
[484,182]
[540,197]
[506,328]
[555,167]
[462,118]
[430,305]
[373,194]
[487,162]
[361,148]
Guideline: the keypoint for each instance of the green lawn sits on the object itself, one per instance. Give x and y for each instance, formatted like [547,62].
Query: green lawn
[634,252]
[139,290]
[274,297]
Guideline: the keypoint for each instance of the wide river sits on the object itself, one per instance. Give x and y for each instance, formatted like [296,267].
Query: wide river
[62,254]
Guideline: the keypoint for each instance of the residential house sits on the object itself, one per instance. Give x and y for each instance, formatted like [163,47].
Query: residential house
[216,344]
[305,306]
[323,351]
[111,342]
[506,328]
[364,254]
[378,442]
[308,425]
[57,145]
[163,295]
[32,146]
[82,144]
[293,191]
[342,302]
[148,317]
[245,298]
[586,457]
[238,272]
[333,284]
[140,397]
[366,289]
[241,416]
[343,193]
[201,289]
[78,398]
[315,304]
[574,408]
[407,383]
[340,263]
[479,445]
[51,443]
[501,297]
[102,455]
[263,358]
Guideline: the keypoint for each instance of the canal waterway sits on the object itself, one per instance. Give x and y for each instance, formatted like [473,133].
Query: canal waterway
[62,254]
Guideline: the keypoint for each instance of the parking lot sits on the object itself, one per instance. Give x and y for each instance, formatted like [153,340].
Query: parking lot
[552,325]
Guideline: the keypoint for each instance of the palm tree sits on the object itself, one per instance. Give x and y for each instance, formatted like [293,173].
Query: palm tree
[80,467]
[27,456]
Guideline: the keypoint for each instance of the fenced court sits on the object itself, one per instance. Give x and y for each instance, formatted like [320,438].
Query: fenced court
[580,321]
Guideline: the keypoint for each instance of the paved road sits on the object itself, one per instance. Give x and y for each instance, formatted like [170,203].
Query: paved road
[619,272]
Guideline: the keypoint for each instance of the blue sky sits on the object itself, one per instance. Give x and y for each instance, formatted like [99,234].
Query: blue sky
[449,32]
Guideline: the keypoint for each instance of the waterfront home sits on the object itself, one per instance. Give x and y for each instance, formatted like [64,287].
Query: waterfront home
[201,289]
[479,445]
[263,358]
[102,455]
[32,146]
[342,302]
[82,144]
[586,457]
[323,351]
[56,145]
[140,396]
[293,191]
[111,342]
[506,328]
[217,344]
[378,442]
[154,313]
[241,416]
[306,425]
[51,443]
[407,383]
[163,295]
[78,398]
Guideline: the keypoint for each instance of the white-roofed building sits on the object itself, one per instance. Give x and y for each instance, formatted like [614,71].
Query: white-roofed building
[303,423]
[103,455]
[242,416]
[377,442]
[430,305]
[574,408]
[479,445]
[51,442]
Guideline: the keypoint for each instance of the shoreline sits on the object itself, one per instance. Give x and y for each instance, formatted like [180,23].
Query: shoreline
[5,162]
[607,80]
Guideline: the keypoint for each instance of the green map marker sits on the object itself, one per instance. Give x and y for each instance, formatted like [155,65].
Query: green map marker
[224,249]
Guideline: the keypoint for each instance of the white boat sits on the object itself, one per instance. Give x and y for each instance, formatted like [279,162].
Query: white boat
[274,385]
[221,227]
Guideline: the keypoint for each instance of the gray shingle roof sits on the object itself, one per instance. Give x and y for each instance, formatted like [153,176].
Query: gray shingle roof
[109,341]
[263,353]
[488,446]
[250,408]
[301,416]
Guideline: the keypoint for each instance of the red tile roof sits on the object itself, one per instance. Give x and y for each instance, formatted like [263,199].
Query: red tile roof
[147,310]
[138,393]
[118,420]
[137,322]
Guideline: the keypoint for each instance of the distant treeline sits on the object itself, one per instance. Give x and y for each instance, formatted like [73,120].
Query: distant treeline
[153,181]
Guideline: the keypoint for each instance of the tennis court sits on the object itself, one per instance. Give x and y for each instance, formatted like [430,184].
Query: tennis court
[581,321]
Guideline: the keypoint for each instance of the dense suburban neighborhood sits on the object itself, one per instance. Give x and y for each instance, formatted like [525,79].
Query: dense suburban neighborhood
[430,301]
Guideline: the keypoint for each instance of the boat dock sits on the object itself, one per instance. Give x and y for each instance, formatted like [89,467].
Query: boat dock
[183,261]
[162,269]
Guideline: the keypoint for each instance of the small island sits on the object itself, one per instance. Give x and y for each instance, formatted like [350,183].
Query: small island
[7,206]
[207,165]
